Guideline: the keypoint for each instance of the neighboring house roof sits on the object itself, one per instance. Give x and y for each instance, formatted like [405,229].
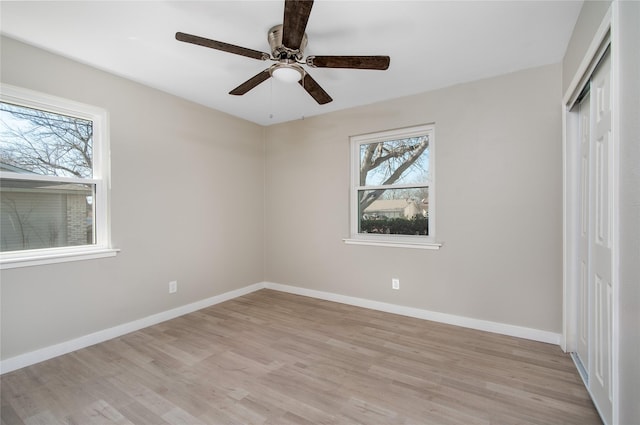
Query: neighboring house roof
[25,186]
[387,205]
[12,168]
[407,207]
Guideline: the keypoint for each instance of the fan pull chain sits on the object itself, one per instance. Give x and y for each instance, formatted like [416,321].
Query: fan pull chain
[271,99]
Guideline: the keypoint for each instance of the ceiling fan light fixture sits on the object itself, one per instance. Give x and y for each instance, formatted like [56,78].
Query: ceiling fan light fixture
[287,42]
[287,73]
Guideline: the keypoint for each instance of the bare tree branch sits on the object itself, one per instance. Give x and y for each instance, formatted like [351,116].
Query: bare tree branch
[46,143]
[395,158]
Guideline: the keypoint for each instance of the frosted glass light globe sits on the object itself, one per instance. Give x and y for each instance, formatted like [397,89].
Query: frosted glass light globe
[287,74]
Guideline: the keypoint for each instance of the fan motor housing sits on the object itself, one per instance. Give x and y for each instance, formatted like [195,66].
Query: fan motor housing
[279,51]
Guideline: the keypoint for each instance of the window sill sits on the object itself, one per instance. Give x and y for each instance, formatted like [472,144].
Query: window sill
[33,258]
[393,244]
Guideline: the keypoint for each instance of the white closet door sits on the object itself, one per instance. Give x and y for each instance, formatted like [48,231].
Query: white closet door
[584,293]
[600,239]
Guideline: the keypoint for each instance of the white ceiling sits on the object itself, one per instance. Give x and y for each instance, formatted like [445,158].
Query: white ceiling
[432,44]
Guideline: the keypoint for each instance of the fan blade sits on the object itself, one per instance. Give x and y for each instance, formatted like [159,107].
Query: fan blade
[296,15]
[251,83]
[219,45]
[354,62]
[314,89]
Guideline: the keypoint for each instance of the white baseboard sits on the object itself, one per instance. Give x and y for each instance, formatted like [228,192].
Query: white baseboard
[56,350]
[466,322]
[52,351]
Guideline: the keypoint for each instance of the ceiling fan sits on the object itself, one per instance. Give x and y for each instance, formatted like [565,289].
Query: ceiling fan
[287,42]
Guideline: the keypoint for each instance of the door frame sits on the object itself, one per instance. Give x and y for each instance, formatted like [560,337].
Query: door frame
[570,133]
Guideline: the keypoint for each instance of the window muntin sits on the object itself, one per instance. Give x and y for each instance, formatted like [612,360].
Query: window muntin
[53,177]
[392,186]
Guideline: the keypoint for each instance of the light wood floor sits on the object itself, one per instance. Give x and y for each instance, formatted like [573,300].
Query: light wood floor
[276,358]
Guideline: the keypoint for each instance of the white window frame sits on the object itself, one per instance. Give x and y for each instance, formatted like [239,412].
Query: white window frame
[401,241]
[101,179]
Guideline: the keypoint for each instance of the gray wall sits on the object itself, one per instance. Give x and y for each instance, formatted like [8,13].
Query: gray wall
[187,204]
[498,212]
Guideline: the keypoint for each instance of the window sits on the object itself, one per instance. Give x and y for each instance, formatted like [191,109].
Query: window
[392,189]
[53,179]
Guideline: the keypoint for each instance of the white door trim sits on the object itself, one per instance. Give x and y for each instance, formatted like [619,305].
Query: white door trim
[615,269]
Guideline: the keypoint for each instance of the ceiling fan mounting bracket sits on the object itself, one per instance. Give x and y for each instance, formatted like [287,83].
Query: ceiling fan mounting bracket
[281,52]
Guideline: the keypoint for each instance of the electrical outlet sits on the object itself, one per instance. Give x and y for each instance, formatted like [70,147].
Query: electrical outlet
[173,286]
[395,283]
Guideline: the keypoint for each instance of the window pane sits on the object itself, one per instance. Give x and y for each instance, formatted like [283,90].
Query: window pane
[45,143]
[403,161]
[394,211]
[37,215]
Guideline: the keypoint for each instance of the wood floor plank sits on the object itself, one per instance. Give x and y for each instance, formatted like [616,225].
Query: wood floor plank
[275,358]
